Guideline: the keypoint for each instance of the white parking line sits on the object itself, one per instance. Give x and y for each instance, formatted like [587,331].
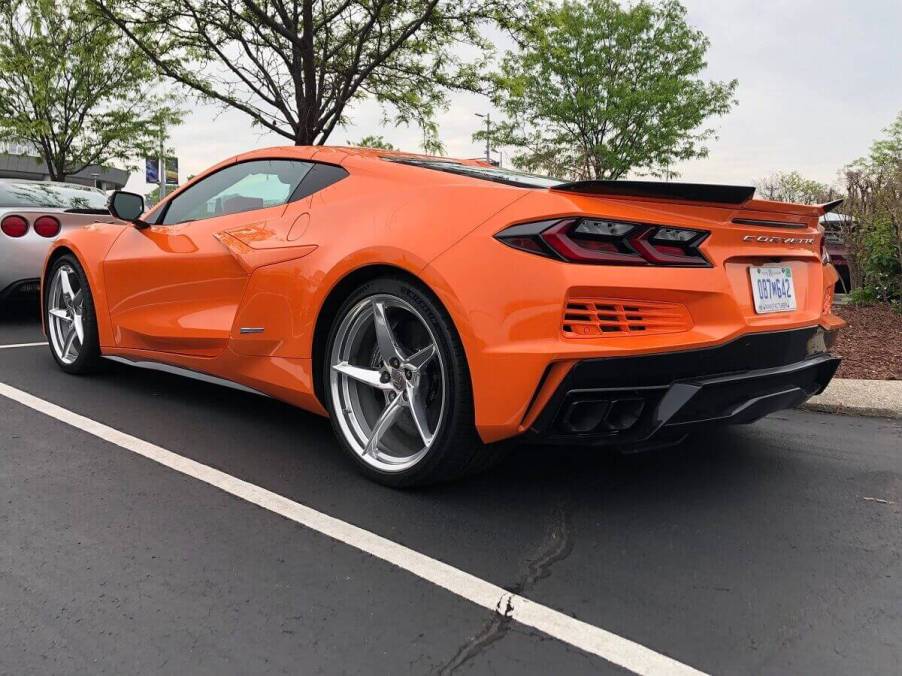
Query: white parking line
[611,647]
[9,347]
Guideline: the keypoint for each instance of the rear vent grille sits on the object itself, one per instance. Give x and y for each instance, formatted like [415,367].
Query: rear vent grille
[593,317]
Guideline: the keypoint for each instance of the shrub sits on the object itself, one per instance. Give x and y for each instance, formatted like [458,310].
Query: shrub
[874,230]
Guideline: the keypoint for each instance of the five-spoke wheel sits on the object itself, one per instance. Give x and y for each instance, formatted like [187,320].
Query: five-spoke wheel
[69,316]
[65,314]
[398,388]
[389,378]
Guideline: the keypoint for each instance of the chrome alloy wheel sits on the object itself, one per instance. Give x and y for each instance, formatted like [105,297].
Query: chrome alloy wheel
[388,382]
[65,314]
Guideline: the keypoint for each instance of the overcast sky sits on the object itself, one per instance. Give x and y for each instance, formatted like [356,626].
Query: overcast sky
[818,81]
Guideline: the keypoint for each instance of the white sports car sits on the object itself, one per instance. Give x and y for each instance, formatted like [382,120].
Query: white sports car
[32,215]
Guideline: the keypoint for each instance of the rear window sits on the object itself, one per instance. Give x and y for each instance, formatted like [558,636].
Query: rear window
[496,174]
[47,195]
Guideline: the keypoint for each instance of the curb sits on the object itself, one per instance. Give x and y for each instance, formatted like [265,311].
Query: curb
[873,398]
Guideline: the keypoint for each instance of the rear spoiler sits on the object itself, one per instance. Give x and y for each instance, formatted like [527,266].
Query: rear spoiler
[691,192]
[830,206]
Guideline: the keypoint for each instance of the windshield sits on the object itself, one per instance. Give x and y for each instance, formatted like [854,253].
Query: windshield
[497,174]
[46,195]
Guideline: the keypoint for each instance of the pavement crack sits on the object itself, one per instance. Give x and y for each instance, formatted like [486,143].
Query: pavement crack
[494,630]
[555,547]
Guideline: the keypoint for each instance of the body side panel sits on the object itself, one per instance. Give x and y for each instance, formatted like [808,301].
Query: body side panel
[361,221]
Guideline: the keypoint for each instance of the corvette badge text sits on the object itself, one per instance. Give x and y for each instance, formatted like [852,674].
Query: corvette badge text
[765,239]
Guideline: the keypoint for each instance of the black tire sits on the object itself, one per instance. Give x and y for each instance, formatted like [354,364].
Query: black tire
[88,359]
[456,450]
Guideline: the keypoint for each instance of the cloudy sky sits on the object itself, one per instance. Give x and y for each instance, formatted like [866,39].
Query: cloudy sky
[818,81]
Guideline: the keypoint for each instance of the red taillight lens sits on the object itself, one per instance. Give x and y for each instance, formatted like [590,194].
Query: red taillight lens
[603,242]
[14,226]
[47,226]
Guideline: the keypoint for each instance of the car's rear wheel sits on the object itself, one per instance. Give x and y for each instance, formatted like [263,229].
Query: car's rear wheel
[398,389]
[70,318]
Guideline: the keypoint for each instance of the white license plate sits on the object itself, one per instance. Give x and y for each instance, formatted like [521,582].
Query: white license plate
[772,289]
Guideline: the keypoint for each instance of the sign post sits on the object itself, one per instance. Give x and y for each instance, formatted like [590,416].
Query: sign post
[161,170]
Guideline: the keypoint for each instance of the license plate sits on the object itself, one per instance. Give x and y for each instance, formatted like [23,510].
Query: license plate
[772,289]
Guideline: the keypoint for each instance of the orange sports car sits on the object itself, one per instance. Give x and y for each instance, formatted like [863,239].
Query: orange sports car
[434,307]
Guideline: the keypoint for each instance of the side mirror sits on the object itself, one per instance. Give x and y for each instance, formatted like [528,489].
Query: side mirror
[127,206]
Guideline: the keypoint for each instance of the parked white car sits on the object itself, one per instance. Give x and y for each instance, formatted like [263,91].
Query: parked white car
[32,215]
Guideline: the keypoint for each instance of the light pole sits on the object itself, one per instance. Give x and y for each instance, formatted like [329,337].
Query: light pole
[161,167]
[488,135]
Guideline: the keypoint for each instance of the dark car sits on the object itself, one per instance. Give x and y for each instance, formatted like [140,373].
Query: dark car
[836,247]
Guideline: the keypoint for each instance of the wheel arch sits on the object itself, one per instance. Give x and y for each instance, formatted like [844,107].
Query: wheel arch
[343,288]
[88,246]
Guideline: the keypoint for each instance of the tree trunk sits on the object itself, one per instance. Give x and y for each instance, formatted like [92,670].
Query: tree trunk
[855,280]
[54,171]
[897,229]
[303,134]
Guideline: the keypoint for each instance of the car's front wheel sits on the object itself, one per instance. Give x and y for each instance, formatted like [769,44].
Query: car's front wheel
[70,318]
[398,389]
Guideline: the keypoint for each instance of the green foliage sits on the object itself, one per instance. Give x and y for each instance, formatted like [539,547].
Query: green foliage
[296,67]
[879,260]
[373,141]
[432,144]
[72,87]
[793,187]
[863,296]
[874,202]
[886,152]
[598,89]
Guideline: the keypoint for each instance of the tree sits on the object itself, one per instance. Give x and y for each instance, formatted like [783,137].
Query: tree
[432,144]
[373,141]
[873,231]
[596,90]
[295,67]
[793,187]
[73,88]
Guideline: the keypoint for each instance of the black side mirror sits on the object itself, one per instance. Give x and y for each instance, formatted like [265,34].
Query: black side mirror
[127,206]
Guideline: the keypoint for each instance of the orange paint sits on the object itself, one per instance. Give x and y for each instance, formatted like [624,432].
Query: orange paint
[181,293]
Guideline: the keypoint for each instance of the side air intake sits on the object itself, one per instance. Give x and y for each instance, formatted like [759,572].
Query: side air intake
[594,317]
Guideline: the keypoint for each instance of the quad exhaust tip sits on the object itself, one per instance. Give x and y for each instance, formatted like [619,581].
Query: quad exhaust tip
[602,415]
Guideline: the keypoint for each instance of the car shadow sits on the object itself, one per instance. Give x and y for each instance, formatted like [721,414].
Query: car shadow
[20,309]
[20,320]
[309,459]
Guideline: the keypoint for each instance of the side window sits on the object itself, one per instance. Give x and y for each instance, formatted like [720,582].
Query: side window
[246,186]
[319,177]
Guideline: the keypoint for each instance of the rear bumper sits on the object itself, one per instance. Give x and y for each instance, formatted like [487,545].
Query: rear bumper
[655,398]
[22,259]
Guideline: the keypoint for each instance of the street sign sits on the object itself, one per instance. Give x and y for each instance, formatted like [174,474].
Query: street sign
[152,170]
[172,171]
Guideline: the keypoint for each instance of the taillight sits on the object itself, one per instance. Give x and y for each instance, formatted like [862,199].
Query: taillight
[47,226]
[604,242]
[14,226]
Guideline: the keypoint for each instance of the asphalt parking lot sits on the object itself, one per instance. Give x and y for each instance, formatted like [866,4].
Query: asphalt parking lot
[772,548]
